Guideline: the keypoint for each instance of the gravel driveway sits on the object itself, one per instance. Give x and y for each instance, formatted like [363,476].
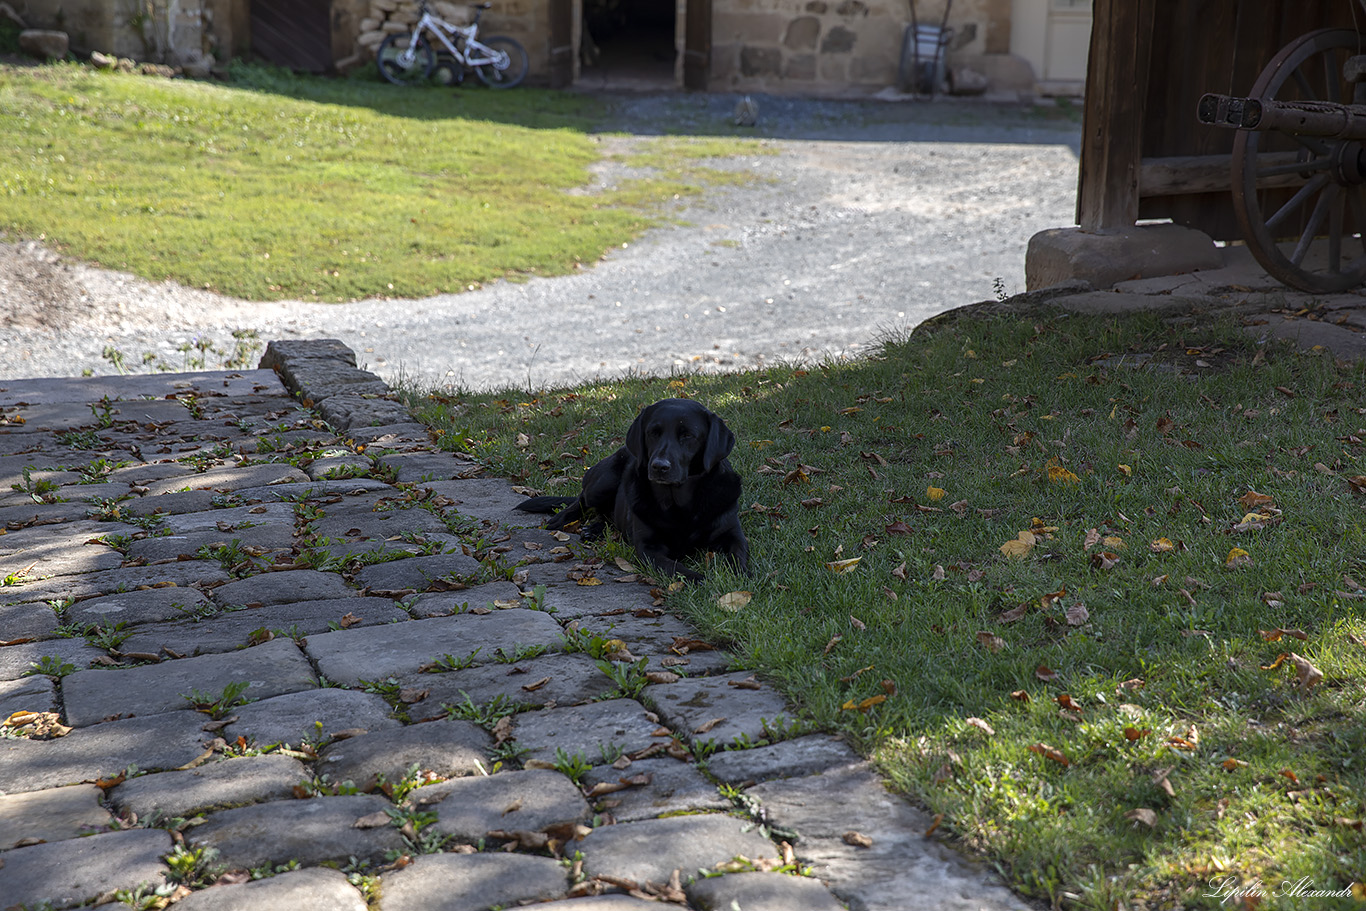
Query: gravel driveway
[871,217]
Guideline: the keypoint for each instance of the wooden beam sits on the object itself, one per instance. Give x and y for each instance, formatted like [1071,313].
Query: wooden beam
[1112,124]
[1178,175]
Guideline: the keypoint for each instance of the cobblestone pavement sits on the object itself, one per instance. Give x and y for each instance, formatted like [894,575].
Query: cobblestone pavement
[231,622]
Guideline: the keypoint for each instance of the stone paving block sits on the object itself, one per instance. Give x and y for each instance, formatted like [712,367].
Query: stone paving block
[271,669]
[56,417]
[70,873]
[348,411]
[283,588]
[417,573]
[213,785]
[472,882]
[233,629]
[107,582]
[449,748]
[313,889]
[277,515]
[692,703]
[573,602]
[26,515]
[173,504]
[400,649]
[264,541]
[227,478]
[486,498]
[800,756]
[143,474]
[337,462]
[136,607]
[675,787]
[313,831]
[656,638]
[60,550]
[611,902]
[426,467]
[900,862]
[27,621]
[311,489]
[762,892]
[168,740]
[294,716]
[18,660]
[444,604]
[51,815]
[526,801]
[28,694]
[404,436]
[1343,342]
[356,527]
[649,851]
[597,731]
[555,678]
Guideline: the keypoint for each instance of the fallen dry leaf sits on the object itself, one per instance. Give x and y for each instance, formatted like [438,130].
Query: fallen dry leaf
[1252,500]
[843,566]
[1161,545]
[1045,673]
[990,641]
[1232,765]
[934,494]
[1052,753]
[1237,557]
[1077,614]
[377,820]
[1143,815]
[1306,674]
[733,601]
[1132,733]
[857,839]
[981,726]
[708,725]
[1020,696]
[1019,548]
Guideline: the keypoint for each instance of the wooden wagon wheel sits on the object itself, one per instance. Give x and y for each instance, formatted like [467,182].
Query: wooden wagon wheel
[1328,173]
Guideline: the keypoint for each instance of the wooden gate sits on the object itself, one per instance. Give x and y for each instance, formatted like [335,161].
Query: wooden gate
[293,33]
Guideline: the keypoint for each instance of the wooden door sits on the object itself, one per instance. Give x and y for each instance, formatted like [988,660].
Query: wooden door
[561,43]
[293,33]
[697,44]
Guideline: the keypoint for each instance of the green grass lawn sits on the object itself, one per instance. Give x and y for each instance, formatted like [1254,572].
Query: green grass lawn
[1100,709]
[274,186]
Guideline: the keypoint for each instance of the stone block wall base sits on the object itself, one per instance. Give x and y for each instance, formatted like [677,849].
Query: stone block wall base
[1064,254]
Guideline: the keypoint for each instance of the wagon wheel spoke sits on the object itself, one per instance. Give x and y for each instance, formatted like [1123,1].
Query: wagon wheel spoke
[1297,201]
[1321,207]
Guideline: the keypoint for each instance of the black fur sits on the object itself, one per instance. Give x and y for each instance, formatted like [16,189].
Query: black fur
[669,490]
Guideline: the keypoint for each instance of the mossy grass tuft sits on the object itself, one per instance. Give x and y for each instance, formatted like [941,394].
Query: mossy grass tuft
[1097,708]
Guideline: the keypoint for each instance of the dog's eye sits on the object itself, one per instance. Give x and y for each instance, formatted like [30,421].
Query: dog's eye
[685,434]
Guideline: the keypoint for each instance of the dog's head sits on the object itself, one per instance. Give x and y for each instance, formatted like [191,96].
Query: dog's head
[675,439]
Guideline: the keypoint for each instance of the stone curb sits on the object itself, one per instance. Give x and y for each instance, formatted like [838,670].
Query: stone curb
[297,582]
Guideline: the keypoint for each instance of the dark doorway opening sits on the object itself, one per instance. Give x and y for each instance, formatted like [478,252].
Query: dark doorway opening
[293,33]
[629,43]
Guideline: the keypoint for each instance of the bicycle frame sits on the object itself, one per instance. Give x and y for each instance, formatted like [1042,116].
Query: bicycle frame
[440,28]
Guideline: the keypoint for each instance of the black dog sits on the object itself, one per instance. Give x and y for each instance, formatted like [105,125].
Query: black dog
[669,490]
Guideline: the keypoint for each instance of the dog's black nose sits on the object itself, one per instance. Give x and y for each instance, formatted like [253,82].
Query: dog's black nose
[660,466]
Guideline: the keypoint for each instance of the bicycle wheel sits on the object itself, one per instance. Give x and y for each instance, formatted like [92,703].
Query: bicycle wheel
[402,65]
[509,65]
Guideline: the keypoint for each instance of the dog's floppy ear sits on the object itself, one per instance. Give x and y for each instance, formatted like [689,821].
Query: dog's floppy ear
[720,441]
[635,436]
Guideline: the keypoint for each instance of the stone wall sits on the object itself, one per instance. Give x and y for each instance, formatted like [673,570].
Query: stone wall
[177,32]
[831,45]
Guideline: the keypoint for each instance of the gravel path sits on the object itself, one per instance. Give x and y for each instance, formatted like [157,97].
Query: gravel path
[871,217]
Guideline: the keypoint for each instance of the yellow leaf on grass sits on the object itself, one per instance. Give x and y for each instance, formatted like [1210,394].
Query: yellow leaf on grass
[733,601]
[934,493]
[1114,542]
[1059,475]
[1237,557]
[843,566]
[1161,545]
[1019,548]
[1125,470]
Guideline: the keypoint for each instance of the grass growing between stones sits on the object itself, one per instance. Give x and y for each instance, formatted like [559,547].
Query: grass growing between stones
[274,186]
[1046,584]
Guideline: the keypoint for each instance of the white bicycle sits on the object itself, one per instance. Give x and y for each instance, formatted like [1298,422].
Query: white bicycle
[408,58]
